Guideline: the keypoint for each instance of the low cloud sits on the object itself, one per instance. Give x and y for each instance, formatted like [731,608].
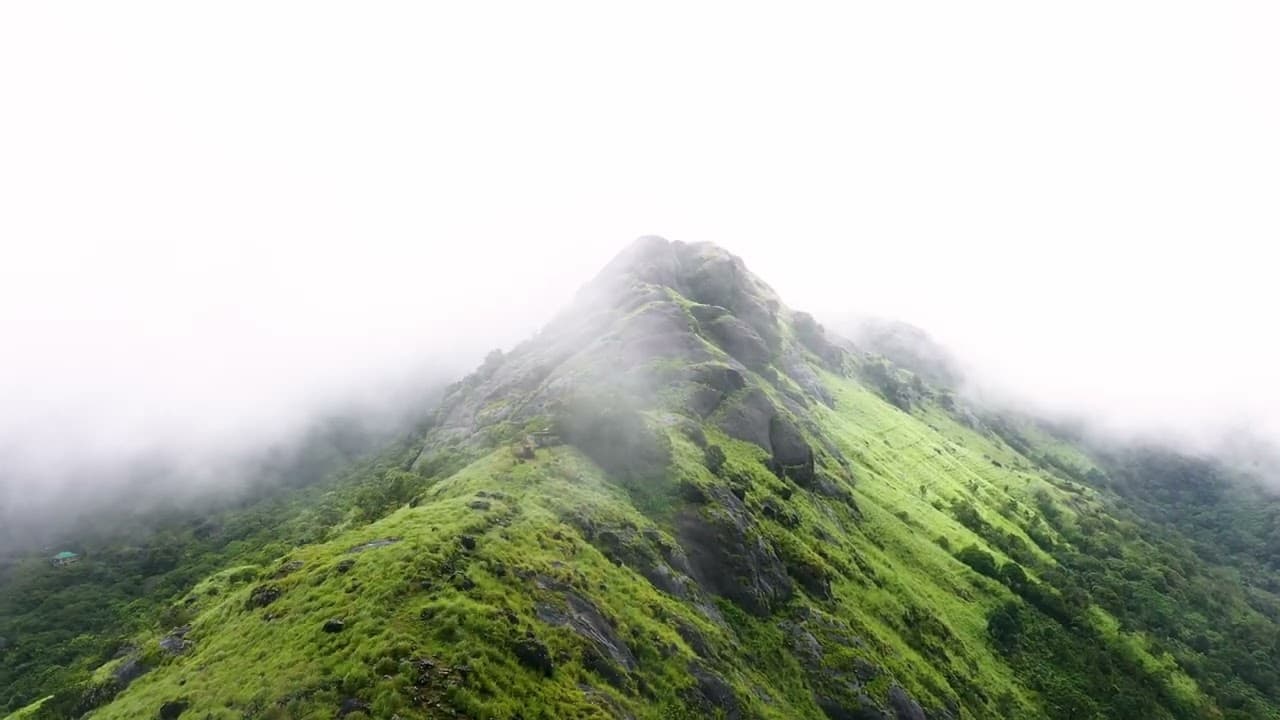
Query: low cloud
[204,249]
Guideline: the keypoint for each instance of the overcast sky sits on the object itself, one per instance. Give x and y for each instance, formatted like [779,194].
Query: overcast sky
[216,216]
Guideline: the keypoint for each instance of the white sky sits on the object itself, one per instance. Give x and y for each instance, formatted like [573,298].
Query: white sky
[213,215]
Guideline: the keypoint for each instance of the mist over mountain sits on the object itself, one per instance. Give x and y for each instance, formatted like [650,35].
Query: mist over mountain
[680,497]
[335,382]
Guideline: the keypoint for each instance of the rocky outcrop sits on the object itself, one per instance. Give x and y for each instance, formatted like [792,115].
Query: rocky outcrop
[176,642]
[904,706]
[746,416]
[532,653]
[792,456]
[730,558]
[712,694]
[649,553]
[732,335]
[607,654]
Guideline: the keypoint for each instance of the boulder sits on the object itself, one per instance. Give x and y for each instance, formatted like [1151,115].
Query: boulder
[904,706]
[334,625]
[746,417]
[263,595]
[176,642]
[173,709]
[792,456]
[533,654]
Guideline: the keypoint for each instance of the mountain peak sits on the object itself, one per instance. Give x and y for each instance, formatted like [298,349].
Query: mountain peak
[666,331]
[702,272]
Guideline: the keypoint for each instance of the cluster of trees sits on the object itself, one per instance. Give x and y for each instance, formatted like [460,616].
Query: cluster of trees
[1184,556]
[57,624]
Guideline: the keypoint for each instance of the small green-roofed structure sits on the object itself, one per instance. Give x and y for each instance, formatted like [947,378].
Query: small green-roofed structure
[65,558]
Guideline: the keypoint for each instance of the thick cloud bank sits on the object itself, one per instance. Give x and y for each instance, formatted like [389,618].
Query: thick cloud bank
[218,221]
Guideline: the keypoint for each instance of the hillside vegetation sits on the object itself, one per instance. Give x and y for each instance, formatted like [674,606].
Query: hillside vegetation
[681,499]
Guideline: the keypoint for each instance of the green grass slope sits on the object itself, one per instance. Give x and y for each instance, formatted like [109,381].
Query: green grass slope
[683,500]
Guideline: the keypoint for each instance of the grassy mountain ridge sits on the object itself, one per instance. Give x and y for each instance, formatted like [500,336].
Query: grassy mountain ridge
[683,499]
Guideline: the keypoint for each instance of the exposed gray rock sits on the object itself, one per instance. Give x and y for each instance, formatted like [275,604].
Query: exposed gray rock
[662,564]
[711,693]
[585,619]
[130,669]
[732,335]
[263,595]
[746,416]
[697,641]
[730,558]
[722,378]
[374,544]
[861,708]
[532,653]
[176,642]
[792,456]
[904,706]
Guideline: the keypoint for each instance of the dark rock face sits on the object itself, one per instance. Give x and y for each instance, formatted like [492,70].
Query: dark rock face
[663,565]
[173,709]
[534,655]
[862,709]
[721,378]
[904,706]
[344,566]
[712,693]
[777,511]
[747,417]
[610,655]
[129,670]
[481,505]
[838,680]
[697,641]
[792,456]
[711,384]
[468,541]
[334,625]
[263,595]
[730,558]
[732,335]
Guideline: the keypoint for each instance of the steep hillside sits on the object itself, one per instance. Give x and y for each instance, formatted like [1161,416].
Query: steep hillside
[683,499]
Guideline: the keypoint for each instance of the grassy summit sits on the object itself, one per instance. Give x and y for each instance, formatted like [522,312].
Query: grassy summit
[682,499]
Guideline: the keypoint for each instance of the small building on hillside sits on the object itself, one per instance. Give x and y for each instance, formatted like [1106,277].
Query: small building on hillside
[65,558]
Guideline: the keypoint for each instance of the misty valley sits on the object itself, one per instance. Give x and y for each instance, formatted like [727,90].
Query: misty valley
[680,499]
